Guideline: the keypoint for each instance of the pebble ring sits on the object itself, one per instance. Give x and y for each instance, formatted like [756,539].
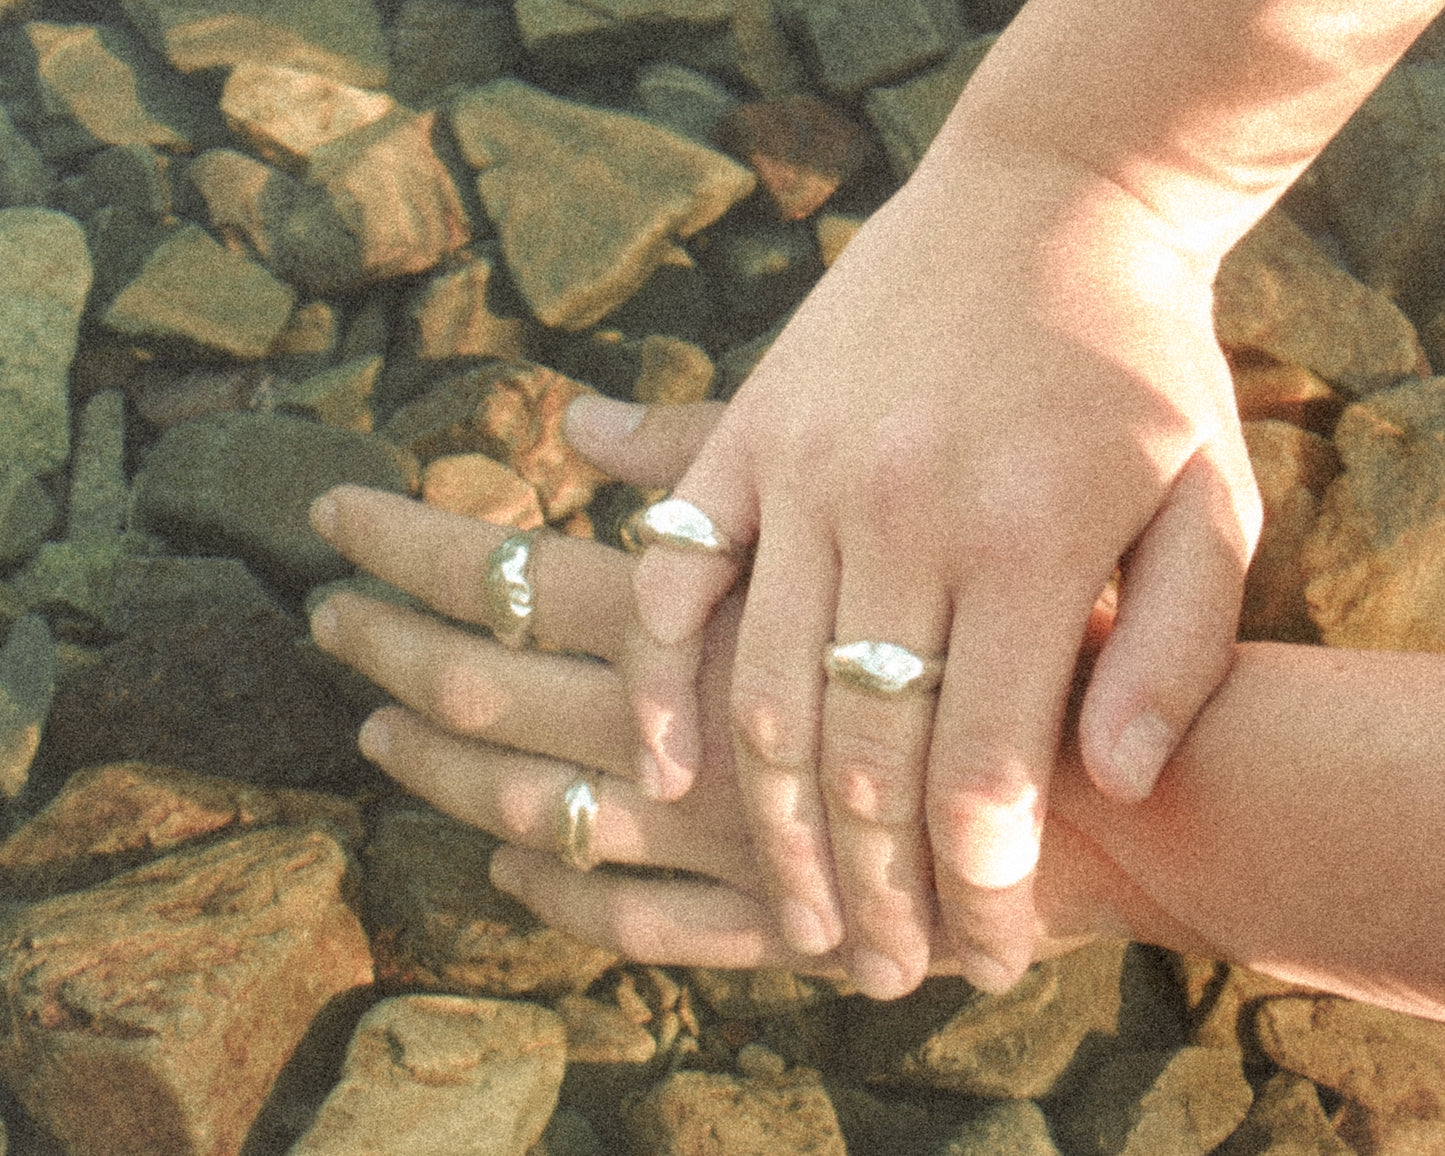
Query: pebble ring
[882,668]
[677,523]
[509,589]
[576,824]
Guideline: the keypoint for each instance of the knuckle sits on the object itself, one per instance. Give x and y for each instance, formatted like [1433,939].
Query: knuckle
[985,823]
[871,780]
[774,729]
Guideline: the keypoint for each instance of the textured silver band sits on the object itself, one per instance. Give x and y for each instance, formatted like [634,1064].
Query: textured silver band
[676,523]
[510,594]
[576,824]
[882,668]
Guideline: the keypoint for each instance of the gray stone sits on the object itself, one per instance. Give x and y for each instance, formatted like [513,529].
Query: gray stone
[135,177]
[243,483]
[24,178]
[246,200]
[98,490]
[1007,1128]
[682,100]
[26,514]
[908,115]
[340,38]
[27,685]
[443,1074]
[1176,1103]
[45,274]
[586,202]
[854,45]
[190,291]
[439,43]
[1285,1120]
[581,33]
[338,397]
[1375,562]
[1277,293]
[72,581]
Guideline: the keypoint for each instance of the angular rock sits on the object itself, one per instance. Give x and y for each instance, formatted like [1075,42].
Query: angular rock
[455,314]
[112,818]
[1285,1120]
[27,685]
[243,483]
[71,581]
[948,1035]
[236,946]
[24,178]
[443,1074]
[1270,391]
[441,925]
[706,1112]
[1222,999]
[137,177]
[602,1033]
[569,31]
[801,147]
[191,290]
[167,396]
[511,412]
[682,100]
[672,372]
[45,274]
[248,202]
[1278,294]
[833,232]
[477,487]
[908,115]
[762,268]
[340,38]
[586,202]
[339,397]
[854,45]
[90,85]
[26,514]
[436,44]
[286,114]
[1183,1102]
[1375,563]
[98,490]
[1015,1127]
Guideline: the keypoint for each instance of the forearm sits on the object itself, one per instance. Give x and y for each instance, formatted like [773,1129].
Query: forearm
[1205,112]
[1297,831]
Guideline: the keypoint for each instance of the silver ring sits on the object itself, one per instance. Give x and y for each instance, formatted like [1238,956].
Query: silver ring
[677,523]
[576,825]
[509,589]
[882,668]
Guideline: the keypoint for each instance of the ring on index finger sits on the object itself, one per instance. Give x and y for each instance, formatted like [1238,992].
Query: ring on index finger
[509,588]
[677,523]
[576,824]
[882,668]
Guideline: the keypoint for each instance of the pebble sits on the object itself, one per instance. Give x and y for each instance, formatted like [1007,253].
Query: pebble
[853,45]
[478,487]
[1003,1128]
[1286,1119]
[27,685]
[683,100]
[603,1033]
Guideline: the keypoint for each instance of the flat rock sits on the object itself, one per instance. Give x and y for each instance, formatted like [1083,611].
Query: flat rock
[1375,563]
[339,397]
[455,314]
[286,114]
[340,38]
[1005,1128]
[45,274]
[1182,1102]
[731,1115]
[193,291]
[478,487]
[112,818]
[243,483]
[671,372]
[441,925]
[236,946]
[1285,1120]
[577,32]
[854,45]
[443,1074]
[27,685]
[1277,293]
[1222,999]
[908,115]
[586,202]
[513,413]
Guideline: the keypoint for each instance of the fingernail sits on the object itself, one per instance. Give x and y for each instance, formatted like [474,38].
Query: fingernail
[1139,754]
[600,419]
[803,928]
[988,974]
[324,515]
[325,626]
[374,739]
[876,975]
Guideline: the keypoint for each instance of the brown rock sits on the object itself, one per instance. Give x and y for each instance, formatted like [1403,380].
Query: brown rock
[286,114]
[1277,293]
[697,1112]
[1271,391]
[111,818]
[801,147]
[1285,1120]
[673,372]
[603,1033]
[443,1074]
[1222,1000]
[339,396]
[1375,563]
[247,201]
[1293,468]
[454,314]
[439,923]
[475,485]
[511,412]
[235,947]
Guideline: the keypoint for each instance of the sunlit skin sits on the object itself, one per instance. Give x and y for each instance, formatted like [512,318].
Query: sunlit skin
[1295,830]
[1005,388]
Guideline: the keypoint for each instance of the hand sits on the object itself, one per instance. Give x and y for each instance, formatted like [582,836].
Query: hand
[1006,387]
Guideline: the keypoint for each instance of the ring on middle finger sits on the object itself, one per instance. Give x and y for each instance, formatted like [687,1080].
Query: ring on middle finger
[509,589]
[882,668]
[677,523]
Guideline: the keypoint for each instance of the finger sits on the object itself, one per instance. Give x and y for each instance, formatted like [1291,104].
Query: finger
[687,922]
[568,708]
[581,587]
[675,591]
[1010,660]
[645,445]
[1173,640]
[872,772]
[776,711]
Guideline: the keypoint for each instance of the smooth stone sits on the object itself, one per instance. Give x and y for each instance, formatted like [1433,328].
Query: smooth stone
[438,44]
[243,483]
[1277,293]
[563,31]
[27,685]
[1004,1128]
[1222,999]
[586,202]
[761,269]
[682,100]
[672,372]
[477,487]
[1272,391]
[443,1074]
[853,45]
[137,177]
[1286,1119]
[286,114]
[339,397]
[692,1112]
[192,291]
[26,514]
[340,38]
[45,274]
[71,582]
[237,947]
[24,177]
[247,201]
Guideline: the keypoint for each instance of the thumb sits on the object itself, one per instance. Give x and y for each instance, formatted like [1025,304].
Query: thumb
[641,444]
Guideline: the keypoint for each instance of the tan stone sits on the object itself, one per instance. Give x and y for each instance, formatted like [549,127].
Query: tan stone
[131,1007]
[1286,1119]
[477,486]
[603,1033]
[285,114]
[443,1074]
[1274,391]
[247,201]
[673,372]
[834,231]
[1222,999]
[694,1112]
[452,315]
[339,396]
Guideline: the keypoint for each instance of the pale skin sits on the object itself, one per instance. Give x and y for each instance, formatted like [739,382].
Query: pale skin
[1006,387]
[1294,830]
